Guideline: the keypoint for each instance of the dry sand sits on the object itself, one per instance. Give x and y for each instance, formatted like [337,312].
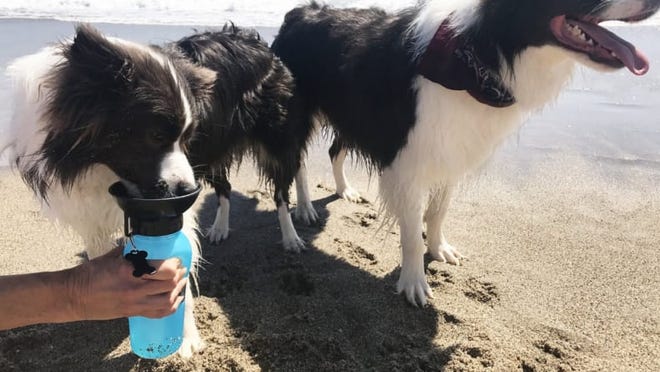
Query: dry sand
[563,274]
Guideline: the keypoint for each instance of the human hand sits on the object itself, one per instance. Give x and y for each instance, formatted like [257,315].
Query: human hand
[105,288]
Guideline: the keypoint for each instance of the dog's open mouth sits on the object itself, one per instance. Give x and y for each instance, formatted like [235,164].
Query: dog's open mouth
[601,45]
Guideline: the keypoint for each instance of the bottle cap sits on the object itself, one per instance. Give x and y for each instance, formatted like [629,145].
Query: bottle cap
[152,217]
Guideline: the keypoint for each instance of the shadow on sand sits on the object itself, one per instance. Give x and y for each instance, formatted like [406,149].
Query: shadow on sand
[309,311]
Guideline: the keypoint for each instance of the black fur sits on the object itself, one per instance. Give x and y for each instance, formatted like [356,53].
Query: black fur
[113,105]
[250,111]
[356,67]
[117,105]
[359,69]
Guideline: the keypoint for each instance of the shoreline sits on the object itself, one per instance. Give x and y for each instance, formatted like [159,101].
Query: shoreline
[191,25]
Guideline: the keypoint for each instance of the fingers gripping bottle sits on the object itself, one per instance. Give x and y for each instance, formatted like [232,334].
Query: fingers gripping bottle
[153,227]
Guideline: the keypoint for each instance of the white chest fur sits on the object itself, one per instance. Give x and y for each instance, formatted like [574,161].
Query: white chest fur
[455,134]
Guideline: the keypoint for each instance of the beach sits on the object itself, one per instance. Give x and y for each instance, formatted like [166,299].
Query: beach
[560,229]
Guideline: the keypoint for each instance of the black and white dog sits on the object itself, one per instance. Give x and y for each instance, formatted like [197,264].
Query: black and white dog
[253,112]
[96,110]
[426,95]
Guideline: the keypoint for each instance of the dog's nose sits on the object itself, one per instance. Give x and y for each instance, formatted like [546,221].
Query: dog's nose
[158,190]
[185,188]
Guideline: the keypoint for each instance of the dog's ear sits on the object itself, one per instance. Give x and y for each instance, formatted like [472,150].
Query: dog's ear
[97,59]
[93,77]
[94,70]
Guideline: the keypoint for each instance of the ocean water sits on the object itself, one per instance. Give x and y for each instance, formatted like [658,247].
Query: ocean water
[172,12]
[607,117]
[177,12]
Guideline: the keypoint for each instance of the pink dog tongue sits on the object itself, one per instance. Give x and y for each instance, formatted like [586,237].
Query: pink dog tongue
[635,60]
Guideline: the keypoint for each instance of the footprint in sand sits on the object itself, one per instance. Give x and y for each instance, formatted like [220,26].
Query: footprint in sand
[482,291]
[356,252]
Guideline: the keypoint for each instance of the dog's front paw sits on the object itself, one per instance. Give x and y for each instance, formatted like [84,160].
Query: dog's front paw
[412,283]
[191,345]
[350,194]
[294,244]
[192,342]
[306,213]
[446,253]
[217,233]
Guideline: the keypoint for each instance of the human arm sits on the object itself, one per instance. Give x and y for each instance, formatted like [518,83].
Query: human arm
[103,288]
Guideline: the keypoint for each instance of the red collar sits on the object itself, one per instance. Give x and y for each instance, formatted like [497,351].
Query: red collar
[452,62]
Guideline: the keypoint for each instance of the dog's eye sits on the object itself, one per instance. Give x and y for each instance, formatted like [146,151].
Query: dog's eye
[158,137]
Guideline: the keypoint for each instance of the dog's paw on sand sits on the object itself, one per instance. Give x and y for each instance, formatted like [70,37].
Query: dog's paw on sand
[482,291]
[190,346]
[294,244]
[306,213]
[349,194]
[445,252]
[217,234]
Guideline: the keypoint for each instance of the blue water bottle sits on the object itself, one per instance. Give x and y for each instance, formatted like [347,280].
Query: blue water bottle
[154,230]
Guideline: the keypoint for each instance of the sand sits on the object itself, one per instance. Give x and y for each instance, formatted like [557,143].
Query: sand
[561,230]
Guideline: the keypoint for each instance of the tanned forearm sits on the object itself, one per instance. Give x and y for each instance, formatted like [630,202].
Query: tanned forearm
[34,298]
[100,289]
